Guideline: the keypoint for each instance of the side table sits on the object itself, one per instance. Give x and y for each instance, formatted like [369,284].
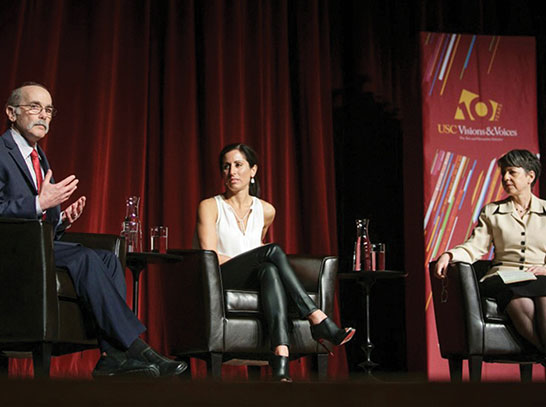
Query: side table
[138,261]
[366,279]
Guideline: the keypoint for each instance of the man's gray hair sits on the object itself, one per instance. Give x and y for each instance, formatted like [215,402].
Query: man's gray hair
[16,94]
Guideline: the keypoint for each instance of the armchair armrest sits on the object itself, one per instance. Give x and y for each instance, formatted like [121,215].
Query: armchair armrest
[28,296]
[458,310]
[317,274]
[200,303]
[113,243]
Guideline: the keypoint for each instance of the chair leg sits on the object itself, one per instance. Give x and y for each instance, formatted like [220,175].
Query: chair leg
[456,369]
[526,372]
[322,365]
[254,372]
[475,368]
[41,359]
[214,365]
[4,365]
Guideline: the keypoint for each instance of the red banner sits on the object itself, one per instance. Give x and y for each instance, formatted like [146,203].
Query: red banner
[479,101]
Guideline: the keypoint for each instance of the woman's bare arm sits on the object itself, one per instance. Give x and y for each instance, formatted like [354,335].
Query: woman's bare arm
[269,217]
[207,214]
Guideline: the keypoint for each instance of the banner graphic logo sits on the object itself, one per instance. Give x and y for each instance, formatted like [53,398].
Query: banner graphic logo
[471,107]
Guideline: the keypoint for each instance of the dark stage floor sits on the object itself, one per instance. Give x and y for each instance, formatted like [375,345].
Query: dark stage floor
[396,391]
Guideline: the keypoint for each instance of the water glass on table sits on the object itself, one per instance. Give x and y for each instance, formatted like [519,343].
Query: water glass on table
[379,251]
[159,236]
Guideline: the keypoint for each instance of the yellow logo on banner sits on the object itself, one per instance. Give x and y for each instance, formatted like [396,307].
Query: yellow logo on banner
[471,107]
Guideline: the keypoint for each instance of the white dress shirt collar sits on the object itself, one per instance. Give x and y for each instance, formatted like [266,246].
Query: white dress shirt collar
[24,147]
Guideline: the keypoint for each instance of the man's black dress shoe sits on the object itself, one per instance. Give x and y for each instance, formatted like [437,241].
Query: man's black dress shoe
[124,366]
[167,367]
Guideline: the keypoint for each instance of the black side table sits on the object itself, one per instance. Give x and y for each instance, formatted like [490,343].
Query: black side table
[366,279]
[136,262]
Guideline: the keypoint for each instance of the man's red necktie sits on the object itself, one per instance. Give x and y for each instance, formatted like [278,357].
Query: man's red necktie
[37,169]
[38,172]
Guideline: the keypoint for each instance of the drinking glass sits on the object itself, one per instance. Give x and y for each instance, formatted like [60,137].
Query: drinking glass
[380,256]
[159,236]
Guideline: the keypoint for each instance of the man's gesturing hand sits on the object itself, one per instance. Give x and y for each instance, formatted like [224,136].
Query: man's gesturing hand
[73,211]
[55,194]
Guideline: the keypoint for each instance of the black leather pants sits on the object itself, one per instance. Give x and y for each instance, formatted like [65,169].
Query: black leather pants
[266,269]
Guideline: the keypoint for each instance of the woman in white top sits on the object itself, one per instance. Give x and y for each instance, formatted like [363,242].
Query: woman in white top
[234,225]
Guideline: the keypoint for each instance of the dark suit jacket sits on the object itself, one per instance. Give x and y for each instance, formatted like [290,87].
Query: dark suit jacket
[17,190]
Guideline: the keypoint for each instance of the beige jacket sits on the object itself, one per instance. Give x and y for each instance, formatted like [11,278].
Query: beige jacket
[519,243]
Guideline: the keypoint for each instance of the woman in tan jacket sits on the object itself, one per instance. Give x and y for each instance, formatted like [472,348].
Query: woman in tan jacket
[516,227]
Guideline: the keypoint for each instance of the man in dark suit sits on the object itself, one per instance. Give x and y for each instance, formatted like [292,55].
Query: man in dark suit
[27,190]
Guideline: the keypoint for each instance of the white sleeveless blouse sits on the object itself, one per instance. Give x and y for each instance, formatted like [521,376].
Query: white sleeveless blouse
[231,240]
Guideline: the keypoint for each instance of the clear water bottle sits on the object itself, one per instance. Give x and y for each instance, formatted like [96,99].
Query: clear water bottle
[131,227]
[362,254]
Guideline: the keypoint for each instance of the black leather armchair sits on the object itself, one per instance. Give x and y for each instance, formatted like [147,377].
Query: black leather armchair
[219,325]
[471,327]
[40,313]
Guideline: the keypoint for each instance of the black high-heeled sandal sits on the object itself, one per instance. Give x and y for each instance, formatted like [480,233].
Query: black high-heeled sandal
[281,369]
[328,330]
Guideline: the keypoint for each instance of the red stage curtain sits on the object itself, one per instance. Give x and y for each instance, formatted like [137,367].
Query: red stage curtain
[148,92]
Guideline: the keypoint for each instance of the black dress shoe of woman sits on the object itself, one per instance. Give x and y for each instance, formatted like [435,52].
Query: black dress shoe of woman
[328,330]
[281,368]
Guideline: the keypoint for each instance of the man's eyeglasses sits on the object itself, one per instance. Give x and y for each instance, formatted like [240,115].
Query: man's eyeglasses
[35,108]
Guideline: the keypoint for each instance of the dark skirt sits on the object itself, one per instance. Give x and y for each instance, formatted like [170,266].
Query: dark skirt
[494,287]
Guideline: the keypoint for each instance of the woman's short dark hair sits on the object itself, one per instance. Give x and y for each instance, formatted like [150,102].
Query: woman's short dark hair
[521,158]
[251,157]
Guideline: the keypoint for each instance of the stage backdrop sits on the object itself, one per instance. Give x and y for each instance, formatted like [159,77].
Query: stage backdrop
[479,101]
